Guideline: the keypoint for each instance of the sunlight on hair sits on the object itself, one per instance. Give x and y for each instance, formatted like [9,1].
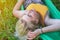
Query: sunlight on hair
[20,28]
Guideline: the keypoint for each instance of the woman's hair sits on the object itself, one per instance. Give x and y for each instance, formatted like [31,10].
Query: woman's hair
[22,27]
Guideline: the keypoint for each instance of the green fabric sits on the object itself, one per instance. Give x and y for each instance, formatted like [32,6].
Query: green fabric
[22,7]
[54,13]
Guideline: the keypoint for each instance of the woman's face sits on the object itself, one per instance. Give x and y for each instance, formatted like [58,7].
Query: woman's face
[30,16]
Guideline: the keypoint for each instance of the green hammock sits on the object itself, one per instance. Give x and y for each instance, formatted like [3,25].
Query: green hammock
[54,13]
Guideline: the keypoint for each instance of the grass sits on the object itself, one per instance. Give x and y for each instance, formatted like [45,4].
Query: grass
[57,4]
[8,21]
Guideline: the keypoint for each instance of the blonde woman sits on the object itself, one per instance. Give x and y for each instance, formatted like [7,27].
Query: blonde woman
[30,18]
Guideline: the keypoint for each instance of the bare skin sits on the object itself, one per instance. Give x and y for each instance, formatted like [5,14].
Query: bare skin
[52,24]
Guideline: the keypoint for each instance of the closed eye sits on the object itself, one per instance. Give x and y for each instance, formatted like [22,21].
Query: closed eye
[29,15]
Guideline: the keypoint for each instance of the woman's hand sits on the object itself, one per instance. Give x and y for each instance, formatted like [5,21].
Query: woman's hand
[32,35]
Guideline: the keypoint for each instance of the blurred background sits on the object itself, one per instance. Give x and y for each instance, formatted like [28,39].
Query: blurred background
[8,21]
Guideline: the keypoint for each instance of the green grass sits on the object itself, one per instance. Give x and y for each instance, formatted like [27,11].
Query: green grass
[57,4]
[8,21]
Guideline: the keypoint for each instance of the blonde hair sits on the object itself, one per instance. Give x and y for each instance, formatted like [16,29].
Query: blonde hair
[23,28]
[20,29]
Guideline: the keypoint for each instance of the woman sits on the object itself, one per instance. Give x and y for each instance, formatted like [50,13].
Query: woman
[52,24]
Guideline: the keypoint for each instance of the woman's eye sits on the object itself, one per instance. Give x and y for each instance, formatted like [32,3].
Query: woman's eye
[29,15]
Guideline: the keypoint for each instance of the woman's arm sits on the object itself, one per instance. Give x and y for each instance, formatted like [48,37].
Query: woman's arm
[52,24]
[16,12]
[54,27]
[50,21]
